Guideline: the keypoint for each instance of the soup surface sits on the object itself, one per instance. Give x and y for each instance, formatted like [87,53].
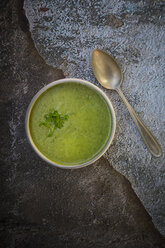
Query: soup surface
[84,134]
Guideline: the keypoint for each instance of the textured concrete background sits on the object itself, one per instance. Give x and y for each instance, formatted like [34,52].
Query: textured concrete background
[66,32]
[43,206]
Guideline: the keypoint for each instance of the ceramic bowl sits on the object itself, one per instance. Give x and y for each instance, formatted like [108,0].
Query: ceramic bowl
[64,81]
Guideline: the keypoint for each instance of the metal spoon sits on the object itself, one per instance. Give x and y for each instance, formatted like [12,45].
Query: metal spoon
[108,73]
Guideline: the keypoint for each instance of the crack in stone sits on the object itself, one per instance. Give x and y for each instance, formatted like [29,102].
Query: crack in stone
[25,27]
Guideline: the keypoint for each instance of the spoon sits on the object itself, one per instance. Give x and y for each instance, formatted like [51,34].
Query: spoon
[108,73]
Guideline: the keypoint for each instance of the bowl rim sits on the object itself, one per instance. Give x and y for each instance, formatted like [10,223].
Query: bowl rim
[63,81]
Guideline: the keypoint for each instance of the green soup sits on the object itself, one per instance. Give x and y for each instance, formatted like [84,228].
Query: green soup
[84,134]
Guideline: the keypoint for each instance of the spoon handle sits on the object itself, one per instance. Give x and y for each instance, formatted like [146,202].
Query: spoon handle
[149,140]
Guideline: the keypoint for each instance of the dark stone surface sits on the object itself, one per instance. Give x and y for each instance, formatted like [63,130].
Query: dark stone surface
[43,206]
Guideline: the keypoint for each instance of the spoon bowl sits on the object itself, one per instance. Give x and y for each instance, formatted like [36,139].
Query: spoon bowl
[106,70]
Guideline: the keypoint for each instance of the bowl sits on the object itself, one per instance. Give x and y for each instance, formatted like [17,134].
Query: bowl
[62,83]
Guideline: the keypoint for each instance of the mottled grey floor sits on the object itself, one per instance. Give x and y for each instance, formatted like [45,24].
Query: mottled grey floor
[43,206]
[66,32]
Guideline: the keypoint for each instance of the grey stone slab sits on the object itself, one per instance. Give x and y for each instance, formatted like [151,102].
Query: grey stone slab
[66,32]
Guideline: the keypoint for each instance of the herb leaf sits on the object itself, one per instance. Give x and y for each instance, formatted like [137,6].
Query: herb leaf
[53,120]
